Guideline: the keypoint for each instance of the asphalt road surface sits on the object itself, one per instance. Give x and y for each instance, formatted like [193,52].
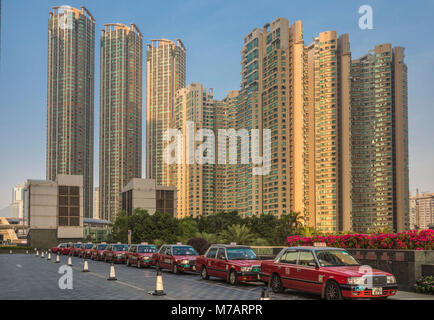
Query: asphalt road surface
[29,277]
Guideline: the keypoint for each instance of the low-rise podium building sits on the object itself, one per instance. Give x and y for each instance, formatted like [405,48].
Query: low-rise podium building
[146,194]
[54,210]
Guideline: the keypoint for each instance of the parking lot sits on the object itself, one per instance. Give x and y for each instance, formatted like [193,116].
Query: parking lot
[29,277]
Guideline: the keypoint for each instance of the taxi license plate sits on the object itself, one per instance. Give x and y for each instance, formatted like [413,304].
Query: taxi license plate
[255,270]
[186,266]
[377,291]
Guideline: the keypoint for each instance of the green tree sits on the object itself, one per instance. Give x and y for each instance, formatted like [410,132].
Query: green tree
[288,225]
[211,238]
[264,225]
[188,228]
[120,228]
[240,234]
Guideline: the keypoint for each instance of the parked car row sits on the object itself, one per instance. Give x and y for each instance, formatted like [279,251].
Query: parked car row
[330,272]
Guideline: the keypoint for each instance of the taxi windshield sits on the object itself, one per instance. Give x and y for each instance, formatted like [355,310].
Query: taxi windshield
[146,249]
[88,245]
[329,258]
[101,247]
[184,251]
[77,245]
[240,254]
[120,247]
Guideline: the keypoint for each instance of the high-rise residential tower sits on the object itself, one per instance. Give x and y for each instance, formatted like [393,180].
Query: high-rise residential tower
[422,210]
[165,74]
[272,97]
[121,114]
[194,110]
[327,133]
[379,125]
[70,97]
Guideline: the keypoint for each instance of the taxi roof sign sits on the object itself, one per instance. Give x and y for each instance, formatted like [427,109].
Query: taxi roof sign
[179,243]
[319,244]
[143,243]
[233,243]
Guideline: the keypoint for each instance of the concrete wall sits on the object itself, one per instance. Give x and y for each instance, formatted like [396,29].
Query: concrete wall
[406,265]
[47,238]
[42,209]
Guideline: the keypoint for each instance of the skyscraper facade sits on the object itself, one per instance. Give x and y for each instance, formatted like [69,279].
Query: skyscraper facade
[194,110]
[327,133]
[422,210]
[272,97]
[120,115]
[165,74]
[379,150]
[70,97]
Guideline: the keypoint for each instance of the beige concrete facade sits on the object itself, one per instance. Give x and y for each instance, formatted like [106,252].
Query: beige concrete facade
[120,114]
[54,208]
[147,195]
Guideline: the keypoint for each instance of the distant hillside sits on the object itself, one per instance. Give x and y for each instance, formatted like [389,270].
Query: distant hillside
[5,212]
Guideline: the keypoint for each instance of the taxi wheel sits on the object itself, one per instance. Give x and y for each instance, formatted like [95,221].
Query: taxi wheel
[204,273]
[276,284]
[175,269]
[332,291]
[233,279]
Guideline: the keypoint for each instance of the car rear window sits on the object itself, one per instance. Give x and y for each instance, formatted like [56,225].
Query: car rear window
[184,251]
[146,249]
[120,247]
[240,254]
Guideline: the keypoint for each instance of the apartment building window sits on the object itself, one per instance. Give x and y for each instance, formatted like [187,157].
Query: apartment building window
[69,206]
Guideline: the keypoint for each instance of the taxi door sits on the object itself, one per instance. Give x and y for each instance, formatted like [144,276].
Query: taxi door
[307,274]
[221,264]
[210,259]
[167,258]
[132,255]
[286,268]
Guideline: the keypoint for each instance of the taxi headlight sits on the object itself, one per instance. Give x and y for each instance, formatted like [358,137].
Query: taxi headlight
[391,279]
[356,280]
[246,269]
[145,258]
[184,262]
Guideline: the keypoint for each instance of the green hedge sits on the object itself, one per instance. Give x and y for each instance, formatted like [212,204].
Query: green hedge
[425,285]
[13,248]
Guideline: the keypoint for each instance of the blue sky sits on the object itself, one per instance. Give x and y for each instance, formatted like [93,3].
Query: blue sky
[213,33]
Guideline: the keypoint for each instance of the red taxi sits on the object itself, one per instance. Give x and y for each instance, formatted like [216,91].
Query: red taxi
[75,249]
[231,262]
[115,253]
[140,255]
[332,273]
[175,257]
[96,253]
[85,250]
[62,248]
